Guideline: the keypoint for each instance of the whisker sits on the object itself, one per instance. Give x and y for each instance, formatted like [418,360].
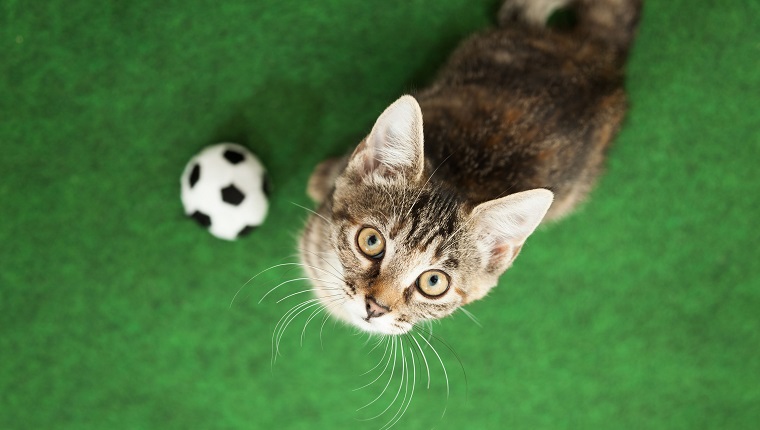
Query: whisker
[337,272]
[286,319]
[308,320]
[292,318]
[511,187]
[256,275]
[309,290]
[286,315]
[274,267]
[430,328]
[369,338]
[401,382]
[459,359]
[289,320]
[445,374]
[387,363]
[324,320]
[400,413]
[377,344]
[287,282]
[386,340]
[427,368]
[471,316]
[393,369]
[305,208]
[336,275]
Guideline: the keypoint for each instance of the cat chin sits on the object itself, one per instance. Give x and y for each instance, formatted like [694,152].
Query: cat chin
[378,327]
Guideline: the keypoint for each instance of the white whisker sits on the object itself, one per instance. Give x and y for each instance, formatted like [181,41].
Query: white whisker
[400,385]
[427,368]
[324,320]
[430,328]
[309,290]
[393,369]
[379,362]
[256,275]
[275,352]
[305,208]
[445,374]
[287,282]
[369,338]
[402,409]
[377,344]
[291,318]
[313,314]
[337,272]
[471,316]
[286,319]
[387,363]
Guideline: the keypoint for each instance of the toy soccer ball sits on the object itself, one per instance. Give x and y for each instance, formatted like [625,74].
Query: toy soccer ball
[225,189]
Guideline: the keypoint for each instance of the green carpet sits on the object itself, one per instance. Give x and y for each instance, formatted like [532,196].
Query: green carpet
[642,311]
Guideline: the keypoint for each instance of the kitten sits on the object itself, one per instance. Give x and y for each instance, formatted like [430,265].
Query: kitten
[437,201]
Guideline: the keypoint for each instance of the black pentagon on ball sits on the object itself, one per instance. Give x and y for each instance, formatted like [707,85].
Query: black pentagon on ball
[195,174]
[233,157]
[245,231]
[231,195]
[202,219]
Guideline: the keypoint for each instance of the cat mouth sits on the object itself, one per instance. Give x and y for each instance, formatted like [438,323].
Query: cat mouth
[386,325]
[351,310]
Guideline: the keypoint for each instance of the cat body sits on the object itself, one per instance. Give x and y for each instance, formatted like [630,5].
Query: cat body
[435,204]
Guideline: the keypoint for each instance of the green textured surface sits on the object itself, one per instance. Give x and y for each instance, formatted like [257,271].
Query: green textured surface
[642,311]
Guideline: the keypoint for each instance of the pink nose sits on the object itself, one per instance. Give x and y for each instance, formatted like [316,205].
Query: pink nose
[375,309]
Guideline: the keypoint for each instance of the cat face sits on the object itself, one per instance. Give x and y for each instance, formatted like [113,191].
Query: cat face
[390,246]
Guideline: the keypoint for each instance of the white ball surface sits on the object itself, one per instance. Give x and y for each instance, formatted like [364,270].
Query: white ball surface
[225,188]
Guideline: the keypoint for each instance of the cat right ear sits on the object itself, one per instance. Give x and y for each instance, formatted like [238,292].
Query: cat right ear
[394,147]
[503,225]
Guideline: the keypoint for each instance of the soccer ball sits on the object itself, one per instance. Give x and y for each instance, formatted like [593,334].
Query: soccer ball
[225,189]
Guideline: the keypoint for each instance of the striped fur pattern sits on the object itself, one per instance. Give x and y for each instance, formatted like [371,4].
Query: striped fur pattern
[515,130]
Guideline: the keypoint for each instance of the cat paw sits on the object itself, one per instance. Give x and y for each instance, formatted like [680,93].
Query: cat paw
[532,12]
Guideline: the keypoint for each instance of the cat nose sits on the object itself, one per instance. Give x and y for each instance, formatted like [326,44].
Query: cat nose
[375,309]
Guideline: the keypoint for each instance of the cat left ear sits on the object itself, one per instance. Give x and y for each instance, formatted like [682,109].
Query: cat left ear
[503,225]
[394,147]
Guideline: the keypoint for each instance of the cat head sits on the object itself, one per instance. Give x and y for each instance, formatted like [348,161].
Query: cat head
[391,246]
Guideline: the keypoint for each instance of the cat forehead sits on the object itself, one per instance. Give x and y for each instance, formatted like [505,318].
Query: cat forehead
[430,220]
[389,201]
[414,220]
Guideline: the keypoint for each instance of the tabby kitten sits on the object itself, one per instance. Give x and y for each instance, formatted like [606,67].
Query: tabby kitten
[419,221]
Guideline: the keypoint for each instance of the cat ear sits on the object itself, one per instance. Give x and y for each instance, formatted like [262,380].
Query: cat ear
[503,225]
[394,147]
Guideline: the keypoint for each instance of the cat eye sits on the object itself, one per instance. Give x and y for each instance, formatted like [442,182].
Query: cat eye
[371,242]
[433,283]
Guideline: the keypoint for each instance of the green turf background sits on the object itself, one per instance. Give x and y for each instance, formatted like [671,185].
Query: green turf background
[641,311]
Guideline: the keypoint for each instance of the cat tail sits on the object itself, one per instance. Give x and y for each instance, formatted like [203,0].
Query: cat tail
[612,21]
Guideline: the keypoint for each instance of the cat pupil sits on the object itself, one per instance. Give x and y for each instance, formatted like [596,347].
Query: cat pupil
[433,280]
[372,240]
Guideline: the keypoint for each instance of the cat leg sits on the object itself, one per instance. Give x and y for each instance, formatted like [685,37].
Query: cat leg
[613,21]
[531,12]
